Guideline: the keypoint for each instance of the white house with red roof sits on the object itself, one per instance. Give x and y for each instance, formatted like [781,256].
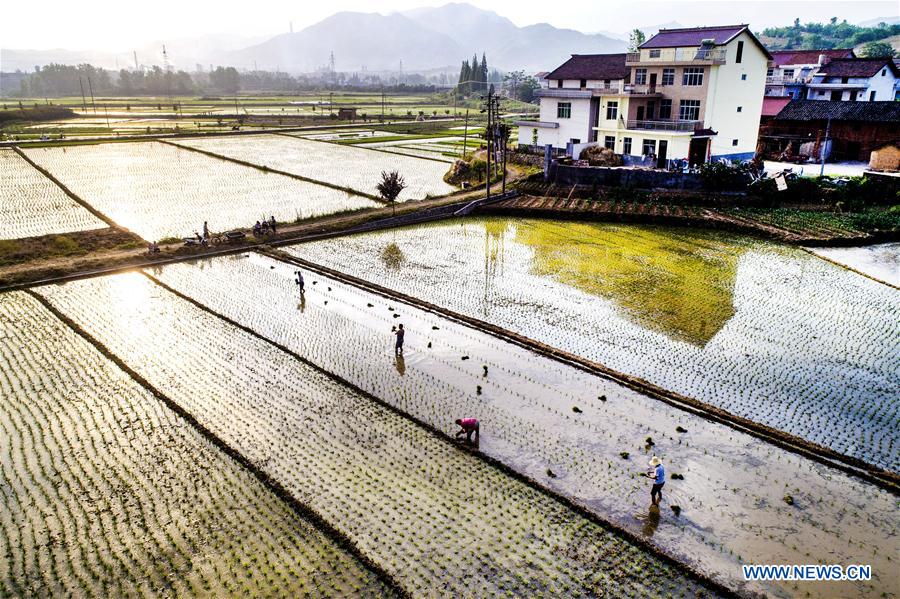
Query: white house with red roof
[690,94]
[792,70]
[855,80]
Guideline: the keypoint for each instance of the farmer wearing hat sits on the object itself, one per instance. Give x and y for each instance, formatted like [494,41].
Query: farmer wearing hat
[658,474]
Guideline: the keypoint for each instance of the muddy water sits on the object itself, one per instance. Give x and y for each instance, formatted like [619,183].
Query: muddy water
[880,261]
[732,497]
[764,331]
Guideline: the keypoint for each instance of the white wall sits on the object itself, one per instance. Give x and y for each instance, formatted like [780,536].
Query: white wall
[727,91]
[575,127]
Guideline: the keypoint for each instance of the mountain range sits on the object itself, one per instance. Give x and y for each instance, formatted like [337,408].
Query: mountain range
[423,39]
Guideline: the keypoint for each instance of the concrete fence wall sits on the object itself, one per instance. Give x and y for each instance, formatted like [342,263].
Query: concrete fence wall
[623,177]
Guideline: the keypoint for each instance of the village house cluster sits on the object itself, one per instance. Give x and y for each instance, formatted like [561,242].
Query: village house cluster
[693,95]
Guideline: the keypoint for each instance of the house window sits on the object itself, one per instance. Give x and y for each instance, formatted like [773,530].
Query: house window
[668,77]
[583,83]
[689,110]
[740,109]
[743,76]
[654,53]
[845,79]
[883,72]
[609,142]
[872,96]
[734,142]
[692,76]
[612,110]
[563,110]
[665,109]
[770,72]
[740,52]
[559,83]
[787,74]
[626,145]
[640,76]
[649,147]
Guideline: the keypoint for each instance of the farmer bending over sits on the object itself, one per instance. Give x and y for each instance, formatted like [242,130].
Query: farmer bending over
[468,426]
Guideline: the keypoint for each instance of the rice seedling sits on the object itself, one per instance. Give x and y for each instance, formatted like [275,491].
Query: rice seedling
[33,205]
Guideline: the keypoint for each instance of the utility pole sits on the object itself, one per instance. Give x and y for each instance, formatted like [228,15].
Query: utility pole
[136,67]
[824,147]
[465,133]
[91,89]
[83,101]
[382,102]
[489,134]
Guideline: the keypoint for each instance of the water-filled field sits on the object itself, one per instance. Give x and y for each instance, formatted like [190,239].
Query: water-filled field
[32,205]
[732,496]
[434,516]
[157,190]
[880,261]
[107,493]
[348,166]
[764,331]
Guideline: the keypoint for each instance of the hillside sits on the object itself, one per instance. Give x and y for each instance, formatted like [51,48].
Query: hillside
[832,34]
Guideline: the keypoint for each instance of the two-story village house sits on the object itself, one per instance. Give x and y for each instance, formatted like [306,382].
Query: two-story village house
[692,94]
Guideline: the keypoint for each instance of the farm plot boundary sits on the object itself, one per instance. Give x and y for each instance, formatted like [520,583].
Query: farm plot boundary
[850,268]
[68,191]
[887,480]
[266,169]
[365,148]
[493,462]
[269,482]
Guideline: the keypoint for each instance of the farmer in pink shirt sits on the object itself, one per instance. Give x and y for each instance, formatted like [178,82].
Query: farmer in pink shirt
[468,426]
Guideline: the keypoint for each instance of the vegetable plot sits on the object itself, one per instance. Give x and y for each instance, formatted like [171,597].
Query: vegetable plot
[158,191]
[347,166]
[438,519]
[32,205]
[106,493]
[583,436]
[764,331]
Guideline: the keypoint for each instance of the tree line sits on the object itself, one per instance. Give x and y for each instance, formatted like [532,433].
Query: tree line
[833,34]
[69,80]
[475,77]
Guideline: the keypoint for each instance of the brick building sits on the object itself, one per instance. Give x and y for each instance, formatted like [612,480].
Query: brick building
[856,129]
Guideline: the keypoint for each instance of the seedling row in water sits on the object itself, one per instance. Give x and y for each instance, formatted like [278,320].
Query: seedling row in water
[730,500]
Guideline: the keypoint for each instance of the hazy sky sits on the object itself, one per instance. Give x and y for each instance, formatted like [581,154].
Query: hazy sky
[117,25]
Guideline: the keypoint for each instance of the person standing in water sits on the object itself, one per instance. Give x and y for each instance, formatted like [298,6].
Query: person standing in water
[658,474]
[399,333]
[300,282]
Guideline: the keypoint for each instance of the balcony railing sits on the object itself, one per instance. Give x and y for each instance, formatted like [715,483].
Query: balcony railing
[563,92]
[670,125]
[685,55]
[787,80]
[838,85]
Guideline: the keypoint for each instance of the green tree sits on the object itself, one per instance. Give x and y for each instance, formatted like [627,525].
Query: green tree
[390,186]
[878,50]
[635,39]
[483,74]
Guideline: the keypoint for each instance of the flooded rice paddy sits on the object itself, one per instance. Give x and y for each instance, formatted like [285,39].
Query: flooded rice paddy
[33,205]
[348,166]
[732,497]
[764,331]
[157,190]
[438,519]
[880,261]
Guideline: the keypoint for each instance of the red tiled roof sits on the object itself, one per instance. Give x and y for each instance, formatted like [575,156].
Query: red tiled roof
[789,57]
[857,67]
[592,66]
[772,105]
[692,36]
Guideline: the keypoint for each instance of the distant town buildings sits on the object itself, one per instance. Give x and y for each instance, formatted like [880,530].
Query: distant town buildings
[792,70]
[690,94]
